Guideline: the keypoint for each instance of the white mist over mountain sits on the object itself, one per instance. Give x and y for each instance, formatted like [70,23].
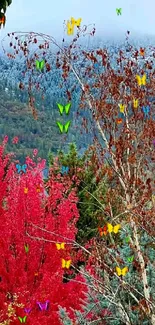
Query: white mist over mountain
[48,16]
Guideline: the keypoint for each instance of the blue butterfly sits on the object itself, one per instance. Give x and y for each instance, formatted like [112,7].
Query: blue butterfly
[64,170]
[120,115]
[146,110]
[21,168]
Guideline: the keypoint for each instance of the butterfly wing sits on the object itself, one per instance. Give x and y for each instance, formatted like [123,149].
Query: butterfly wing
[124,271]
[40,305]
[144,110]
[118,271]
[24,319]
[119,120]
[144,80]
[127,239]
[130,259]
[118,10]
[105,230]
[138,80]
[20,319]
[46,305]
[63,263]
[58,246]
[66,126]
[116,228]
[27,310]
[78,22]
[142,51]
[67,108]
[72,21]
[148,109]
[60,126]
[100,231]
[122,107]
[61,108]
[42,63]
[135,103]
[24,168]
[62,245]
[26,248]
[37,64]
[64,170]
[18,168]
[70,28]
[68,263]
[110,227]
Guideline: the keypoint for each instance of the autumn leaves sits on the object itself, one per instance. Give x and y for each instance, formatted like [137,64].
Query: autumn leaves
[141,81]
[3,7]
[108,229]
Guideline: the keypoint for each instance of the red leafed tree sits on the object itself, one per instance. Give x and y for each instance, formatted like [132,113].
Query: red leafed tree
[124,138]
[30,264]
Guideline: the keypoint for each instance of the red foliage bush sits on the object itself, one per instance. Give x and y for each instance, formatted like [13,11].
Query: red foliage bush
[31,224]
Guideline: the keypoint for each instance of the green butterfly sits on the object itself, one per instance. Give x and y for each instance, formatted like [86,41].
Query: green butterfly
[127,239]
[26,248]
[119,11]
[40,64]
[63,127]
[65,108]
[130,259]
[22,320]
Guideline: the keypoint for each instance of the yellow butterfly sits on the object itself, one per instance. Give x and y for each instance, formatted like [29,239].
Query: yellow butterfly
[141,81]
[135,103]
[70,28]
[76,22]
[114,229]
[122,107]
[121,271]
[65,264]
[25,190]
[60,246]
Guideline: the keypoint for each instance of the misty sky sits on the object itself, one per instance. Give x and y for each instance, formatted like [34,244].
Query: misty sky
[138,16]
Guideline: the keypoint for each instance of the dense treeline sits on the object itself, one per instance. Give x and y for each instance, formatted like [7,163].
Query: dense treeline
[16,120]
[16,116]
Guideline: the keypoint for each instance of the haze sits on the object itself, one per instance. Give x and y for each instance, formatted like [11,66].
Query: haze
[32,15]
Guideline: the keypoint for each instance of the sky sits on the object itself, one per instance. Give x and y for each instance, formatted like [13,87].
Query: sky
[138,16]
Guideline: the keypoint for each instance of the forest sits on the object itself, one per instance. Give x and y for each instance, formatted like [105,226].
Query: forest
[77,183]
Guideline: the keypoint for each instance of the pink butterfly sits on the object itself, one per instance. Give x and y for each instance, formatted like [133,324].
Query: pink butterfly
[44,305]
[27,310]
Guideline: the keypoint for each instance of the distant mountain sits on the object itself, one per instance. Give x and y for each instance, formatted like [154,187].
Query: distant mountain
[16,118]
